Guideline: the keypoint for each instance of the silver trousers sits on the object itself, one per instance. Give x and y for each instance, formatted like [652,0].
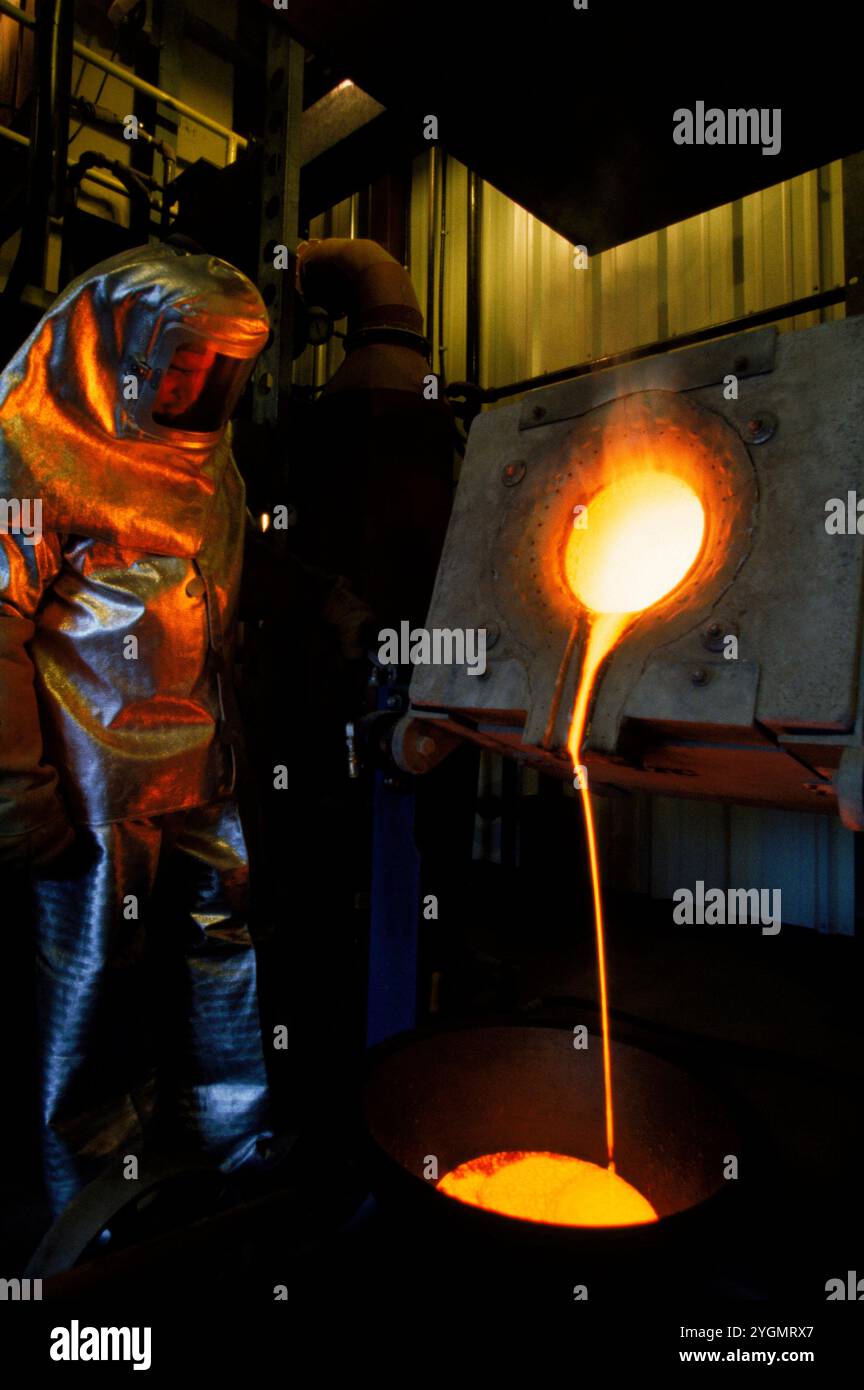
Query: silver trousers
[147,1000]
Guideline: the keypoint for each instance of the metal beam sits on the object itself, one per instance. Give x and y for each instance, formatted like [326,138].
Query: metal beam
[853,232]
[280,200]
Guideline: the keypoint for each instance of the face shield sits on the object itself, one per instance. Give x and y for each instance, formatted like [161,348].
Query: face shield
[192,384]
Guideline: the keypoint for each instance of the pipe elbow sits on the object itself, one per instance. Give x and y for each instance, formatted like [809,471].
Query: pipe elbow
[357,277]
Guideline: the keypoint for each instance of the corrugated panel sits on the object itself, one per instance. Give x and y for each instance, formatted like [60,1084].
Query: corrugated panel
[452,339]
[689,841]
[809,858]
[540,314]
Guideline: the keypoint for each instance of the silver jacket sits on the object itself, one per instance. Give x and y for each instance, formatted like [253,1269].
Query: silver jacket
[117,613]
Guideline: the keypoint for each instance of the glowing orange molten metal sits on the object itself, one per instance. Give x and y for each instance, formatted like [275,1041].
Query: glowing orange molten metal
[548,1187]
[643,533]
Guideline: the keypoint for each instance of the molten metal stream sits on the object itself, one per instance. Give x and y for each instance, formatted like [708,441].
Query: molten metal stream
[604,632]
[643,534]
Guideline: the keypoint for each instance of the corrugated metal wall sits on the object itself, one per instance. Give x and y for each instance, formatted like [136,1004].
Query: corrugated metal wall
[537,314]
[809,858]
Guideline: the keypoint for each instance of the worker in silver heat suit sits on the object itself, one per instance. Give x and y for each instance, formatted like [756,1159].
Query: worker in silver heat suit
[122,527]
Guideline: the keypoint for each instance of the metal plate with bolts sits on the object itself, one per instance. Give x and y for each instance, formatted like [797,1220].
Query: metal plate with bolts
[669,691]
[790,591]
[687,369]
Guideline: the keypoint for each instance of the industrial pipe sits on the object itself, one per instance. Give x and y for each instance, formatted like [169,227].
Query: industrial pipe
[432,197]
[28,21]
[472,309]
[359,278]
[106,182]
[384,437]
[17,139]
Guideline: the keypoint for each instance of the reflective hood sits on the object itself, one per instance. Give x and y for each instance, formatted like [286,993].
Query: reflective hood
[114,411]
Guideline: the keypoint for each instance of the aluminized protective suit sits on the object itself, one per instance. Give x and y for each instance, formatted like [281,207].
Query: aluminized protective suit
[116,629]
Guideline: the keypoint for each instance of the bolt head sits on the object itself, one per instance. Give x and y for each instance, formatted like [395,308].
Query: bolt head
[513,473]
[760,428]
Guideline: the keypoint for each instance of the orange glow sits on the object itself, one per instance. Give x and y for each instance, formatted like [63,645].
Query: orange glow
[549,1187]
[184,379]
[643,534]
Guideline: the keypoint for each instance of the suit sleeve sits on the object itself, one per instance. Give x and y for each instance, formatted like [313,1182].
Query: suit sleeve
[33,820]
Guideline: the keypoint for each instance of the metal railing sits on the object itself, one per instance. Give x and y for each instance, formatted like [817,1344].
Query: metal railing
[233,140]
[105,179]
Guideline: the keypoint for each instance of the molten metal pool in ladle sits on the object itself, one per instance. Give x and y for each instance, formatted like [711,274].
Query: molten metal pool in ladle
[555,1188]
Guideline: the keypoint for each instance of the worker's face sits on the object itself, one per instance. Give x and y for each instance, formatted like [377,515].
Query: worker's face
[182,382]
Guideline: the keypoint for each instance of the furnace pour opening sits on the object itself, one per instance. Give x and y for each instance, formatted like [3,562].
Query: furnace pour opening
[636,542]
[640,538]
